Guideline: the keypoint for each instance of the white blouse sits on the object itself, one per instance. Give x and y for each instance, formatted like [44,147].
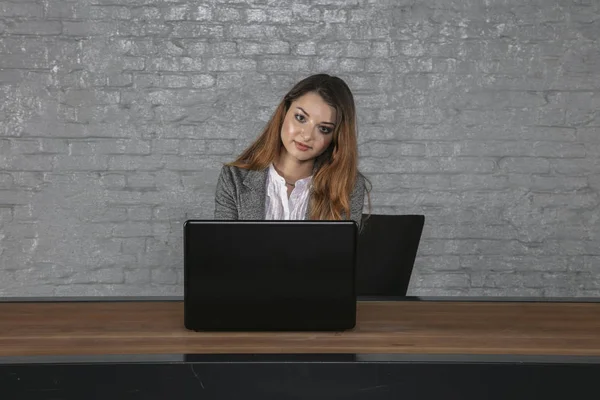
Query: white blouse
[278,205]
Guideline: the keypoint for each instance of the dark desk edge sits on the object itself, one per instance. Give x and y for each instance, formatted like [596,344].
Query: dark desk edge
[299,358]
[360,298]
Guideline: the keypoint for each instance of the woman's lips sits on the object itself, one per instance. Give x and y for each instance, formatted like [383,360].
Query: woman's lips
[301,147]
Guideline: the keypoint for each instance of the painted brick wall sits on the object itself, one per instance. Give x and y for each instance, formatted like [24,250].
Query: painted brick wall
[115,116]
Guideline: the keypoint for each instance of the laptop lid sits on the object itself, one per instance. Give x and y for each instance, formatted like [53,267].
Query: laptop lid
[269,275]
[387,248]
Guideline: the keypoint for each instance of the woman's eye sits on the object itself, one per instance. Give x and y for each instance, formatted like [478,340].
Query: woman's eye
[325,129]
[300,117]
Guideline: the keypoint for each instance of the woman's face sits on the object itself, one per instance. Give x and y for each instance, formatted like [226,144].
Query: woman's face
[307,129]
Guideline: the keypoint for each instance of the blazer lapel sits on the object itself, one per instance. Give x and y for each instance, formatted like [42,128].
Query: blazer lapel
[253,195]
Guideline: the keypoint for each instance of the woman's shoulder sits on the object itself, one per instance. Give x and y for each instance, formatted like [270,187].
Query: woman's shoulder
[235,174]
[360,178]
[361,181]
[361,186]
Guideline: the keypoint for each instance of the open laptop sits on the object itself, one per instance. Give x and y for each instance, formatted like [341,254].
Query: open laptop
[269,275]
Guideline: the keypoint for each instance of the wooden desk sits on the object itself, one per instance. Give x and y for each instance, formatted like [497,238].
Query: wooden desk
[96,328]
[401,349]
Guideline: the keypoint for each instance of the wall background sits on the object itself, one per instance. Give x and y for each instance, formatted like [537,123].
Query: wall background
[115,116]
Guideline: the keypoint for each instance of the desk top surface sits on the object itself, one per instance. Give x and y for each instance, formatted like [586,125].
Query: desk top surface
[384,327]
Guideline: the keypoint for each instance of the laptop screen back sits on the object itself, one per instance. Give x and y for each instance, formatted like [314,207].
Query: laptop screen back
[273,275]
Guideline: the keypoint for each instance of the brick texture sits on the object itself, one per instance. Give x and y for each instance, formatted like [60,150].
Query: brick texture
[115,116]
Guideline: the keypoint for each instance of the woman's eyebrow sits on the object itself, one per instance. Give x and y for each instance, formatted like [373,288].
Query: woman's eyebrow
[308,115]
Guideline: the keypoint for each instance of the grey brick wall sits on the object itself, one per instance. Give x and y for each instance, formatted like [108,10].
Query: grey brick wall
[115,116]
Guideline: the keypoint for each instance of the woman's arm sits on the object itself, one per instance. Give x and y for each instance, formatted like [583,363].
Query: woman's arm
[225,206]
[357,200]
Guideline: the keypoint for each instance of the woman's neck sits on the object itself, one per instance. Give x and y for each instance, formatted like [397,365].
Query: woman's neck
[291,169]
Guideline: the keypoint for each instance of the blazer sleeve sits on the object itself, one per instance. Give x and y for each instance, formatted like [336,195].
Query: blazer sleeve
[225,205]
[357,200]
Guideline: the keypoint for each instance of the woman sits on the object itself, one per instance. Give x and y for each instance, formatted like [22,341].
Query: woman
[304,165]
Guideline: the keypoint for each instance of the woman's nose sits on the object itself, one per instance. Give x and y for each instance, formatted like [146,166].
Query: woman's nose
[305,134]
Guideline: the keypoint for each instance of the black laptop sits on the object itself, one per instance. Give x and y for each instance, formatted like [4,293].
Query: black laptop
[269,275]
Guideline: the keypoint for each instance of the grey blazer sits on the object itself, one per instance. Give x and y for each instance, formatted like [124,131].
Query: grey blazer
[241,194]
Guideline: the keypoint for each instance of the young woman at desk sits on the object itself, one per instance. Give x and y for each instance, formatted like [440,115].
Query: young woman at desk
[304,165]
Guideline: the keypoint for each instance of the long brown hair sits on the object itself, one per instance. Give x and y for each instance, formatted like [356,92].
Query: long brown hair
[336,170]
